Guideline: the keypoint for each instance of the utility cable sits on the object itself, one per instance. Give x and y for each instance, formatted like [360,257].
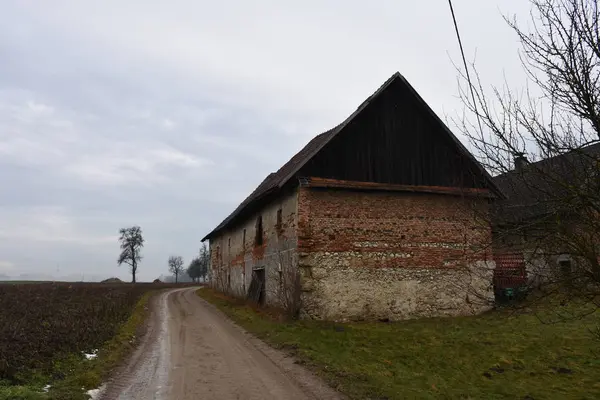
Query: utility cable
[462,52]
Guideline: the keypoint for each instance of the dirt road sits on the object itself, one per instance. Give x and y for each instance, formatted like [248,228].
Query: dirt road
[192,351]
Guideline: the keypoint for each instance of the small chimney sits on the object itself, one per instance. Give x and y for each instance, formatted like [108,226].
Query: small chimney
[520,161]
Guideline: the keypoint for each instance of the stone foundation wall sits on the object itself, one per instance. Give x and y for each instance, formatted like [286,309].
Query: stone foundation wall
[343,293]
[395,255]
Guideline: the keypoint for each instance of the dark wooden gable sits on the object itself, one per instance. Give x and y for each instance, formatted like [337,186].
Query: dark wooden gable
[393,137]
[396,139]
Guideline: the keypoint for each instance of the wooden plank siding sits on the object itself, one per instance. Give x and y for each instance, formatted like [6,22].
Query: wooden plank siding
[393,141]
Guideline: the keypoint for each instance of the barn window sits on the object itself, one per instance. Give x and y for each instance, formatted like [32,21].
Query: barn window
[279,224]
[258,239]
[244,239]
[565,267]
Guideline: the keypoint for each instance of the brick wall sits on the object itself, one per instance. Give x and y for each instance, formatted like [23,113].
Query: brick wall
[234,254]
[396,255]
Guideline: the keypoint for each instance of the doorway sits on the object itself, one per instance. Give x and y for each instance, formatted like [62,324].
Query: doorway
[257,290]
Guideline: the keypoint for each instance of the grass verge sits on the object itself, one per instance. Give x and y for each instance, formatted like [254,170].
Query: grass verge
[72,374]
[498,355]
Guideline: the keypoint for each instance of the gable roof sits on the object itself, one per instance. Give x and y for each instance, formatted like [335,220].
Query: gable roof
[533,192]
[277,180]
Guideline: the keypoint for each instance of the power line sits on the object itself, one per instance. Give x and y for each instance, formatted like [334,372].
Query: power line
[462,53]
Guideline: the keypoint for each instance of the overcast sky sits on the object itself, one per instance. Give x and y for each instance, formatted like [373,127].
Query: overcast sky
[167,114]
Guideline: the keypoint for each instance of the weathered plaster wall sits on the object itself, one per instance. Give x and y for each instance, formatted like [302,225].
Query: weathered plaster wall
[234,252]
[396,255]
[539,249]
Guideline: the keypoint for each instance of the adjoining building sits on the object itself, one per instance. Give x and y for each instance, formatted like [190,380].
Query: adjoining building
[547,228]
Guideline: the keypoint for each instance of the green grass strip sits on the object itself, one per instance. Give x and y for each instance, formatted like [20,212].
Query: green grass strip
[497,355]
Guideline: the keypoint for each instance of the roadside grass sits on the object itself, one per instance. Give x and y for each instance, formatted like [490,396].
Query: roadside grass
[72,374]
[497,355]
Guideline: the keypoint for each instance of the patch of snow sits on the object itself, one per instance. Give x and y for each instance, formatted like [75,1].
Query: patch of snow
[93,354]
[96,393]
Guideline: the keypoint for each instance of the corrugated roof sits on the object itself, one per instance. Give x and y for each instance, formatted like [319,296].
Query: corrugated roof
[276,180]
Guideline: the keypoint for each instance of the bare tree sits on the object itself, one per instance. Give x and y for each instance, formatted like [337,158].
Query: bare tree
[283,289]
[198,267]
[204,261]
[220,274]
[131,241]
[553,206]
[176,266]
[193,270]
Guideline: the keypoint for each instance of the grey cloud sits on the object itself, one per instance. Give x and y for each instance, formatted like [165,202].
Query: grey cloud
[167,115]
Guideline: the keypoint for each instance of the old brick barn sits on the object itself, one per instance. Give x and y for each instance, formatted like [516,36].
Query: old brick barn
[382,217]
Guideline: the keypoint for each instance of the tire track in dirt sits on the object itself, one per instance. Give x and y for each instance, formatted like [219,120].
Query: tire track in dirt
[192,351]
[145,376]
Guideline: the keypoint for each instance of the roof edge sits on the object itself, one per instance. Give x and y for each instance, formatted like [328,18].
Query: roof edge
[218,229]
